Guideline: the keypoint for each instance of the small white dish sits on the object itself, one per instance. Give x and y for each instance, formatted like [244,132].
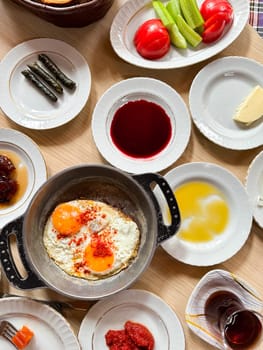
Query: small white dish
[51,330]
[213,281]
[152,90]
[24,104]
[30,157]
[134,12]
[226,244]
[216,92]
[254,187]
[132,305]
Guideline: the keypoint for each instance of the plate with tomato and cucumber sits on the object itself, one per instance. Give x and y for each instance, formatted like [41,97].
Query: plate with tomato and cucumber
[167,34]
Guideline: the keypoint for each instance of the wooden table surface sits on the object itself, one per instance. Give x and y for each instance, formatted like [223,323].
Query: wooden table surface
[73,144]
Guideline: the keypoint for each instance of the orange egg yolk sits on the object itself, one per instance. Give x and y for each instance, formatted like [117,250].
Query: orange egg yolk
[99,256]
[66,219]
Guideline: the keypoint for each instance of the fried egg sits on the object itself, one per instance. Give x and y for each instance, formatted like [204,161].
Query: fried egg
[90,239]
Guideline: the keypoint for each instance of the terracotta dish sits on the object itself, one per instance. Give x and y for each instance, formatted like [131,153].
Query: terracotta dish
[76,14]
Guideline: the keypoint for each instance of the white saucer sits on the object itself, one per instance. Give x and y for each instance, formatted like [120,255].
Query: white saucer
[51,330]
[225,245]
[134,12]
[137,306]
[152,90]
[24,104]
[213,281]
[216,92]
[32,158]
[254,187]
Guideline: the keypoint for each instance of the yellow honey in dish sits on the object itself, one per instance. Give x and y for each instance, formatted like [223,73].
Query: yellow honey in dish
[204,211]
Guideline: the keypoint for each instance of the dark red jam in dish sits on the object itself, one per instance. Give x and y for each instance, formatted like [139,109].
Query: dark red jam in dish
[141,129]
[8,186]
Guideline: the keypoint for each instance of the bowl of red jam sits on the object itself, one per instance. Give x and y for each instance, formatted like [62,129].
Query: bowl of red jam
[140,125]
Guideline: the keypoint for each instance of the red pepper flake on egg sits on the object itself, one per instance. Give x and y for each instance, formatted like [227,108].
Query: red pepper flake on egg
[90,239]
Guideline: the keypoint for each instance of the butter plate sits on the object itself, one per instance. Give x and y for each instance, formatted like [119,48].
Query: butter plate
[24,104]
[216,92]
[254,187]
[225,245]
[211,282]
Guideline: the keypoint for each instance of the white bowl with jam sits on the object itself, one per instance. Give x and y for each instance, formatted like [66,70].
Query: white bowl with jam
[141,125]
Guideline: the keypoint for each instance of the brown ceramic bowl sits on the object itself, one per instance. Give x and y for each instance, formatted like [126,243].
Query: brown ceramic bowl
[75,15]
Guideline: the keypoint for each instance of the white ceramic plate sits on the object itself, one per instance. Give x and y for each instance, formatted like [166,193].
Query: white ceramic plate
[225,245]
[216,92]
[23,103]
[137,306]
[134,12]
[51,330]
[213,281]
[254,187]
[152,90]
[30,157]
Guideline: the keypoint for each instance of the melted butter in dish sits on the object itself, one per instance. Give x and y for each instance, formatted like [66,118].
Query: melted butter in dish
[204,211]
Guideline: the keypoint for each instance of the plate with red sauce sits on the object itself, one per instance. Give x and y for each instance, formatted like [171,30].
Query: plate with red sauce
[136,306]
[30,172]
[141,125]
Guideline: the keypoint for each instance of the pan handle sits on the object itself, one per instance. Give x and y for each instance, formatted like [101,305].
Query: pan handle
[7,260]
[164,231]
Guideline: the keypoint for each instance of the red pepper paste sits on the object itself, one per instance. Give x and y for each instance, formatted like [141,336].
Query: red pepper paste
[134,336]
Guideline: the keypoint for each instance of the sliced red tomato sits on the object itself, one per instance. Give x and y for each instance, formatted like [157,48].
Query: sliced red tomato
[211,7]
[152,40]
[217,17]
[214,30]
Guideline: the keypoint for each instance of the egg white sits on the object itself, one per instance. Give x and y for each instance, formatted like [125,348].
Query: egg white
[124,236]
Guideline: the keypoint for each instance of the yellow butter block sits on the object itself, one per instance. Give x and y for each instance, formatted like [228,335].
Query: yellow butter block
[251,109]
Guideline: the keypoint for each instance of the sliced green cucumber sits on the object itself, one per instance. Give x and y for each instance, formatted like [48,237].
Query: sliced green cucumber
[162,13]
[173,6]
[191,13]
[177,39]
[191,36]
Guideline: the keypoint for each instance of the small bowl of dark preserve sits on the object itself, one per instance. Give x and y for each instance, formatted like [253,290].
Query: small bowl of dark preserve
[141,125]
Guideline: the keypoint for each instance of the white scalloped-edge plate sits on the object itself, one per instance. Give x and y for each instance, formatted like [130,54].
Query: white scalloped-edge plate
[152,90]
[137,306]
[216,92]
[134,12]
[254,187]
[211,282]
[51,330]
[225,245]
[31,157]
[24,104]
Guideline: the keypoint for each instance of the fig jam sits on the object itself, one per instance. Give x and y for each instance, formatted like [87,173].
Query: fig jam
[8,185]
[225,312]
[141,129]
